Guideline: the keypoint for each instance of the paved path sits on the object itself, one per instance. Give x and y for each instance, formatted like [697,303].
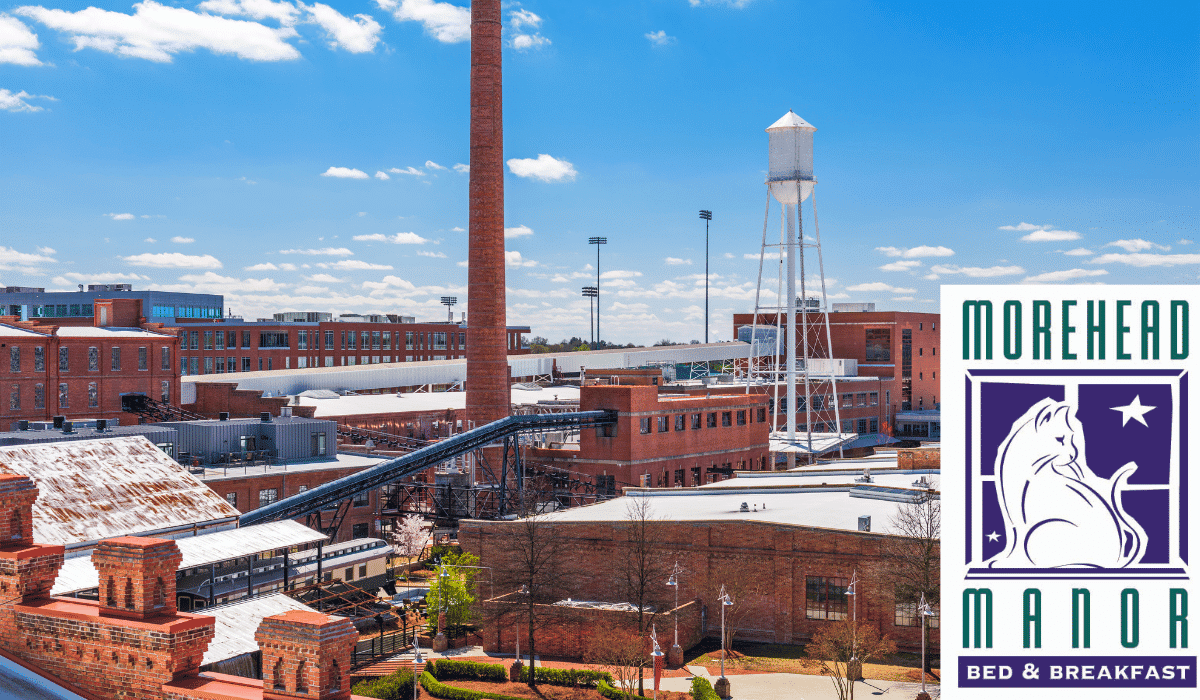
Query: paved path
[794,686]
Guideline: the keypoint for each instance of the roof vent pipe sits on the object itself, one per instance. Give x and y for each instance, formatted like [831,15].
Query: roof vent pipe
[265,416]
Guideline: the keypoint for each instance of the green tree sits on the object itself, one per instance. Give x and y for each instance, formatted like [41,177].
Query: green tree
[450,590]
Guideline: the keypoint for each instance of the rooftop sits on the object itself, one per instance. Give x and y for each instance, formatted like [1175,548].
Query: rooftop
[106,332]
[358,404]
[237,622]
[7,331]
[342,461]
[93,489]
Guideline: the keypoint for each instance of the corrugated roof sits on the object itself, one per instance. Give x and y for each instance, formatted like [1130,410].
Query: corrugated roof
[93,489]
[78,574]
[106,332]
[237,623]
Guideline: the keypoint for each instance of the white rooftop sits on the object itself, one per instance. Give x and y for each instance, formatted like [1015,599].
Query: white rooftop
[791,120]
[342,461]
[237,622]
[424,401]
[7,331]
[106,332]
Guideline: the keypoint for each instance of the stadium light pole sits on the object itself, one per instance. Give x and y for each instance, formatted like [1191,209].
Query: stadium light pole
[707,216]
[597,241]
[591,293]
[449,303]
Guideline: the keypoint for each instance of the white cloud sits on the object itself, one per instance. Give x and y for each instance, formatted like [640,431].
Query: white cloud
[524,42]
[513,258]
[260,267]
[994,271]
[660,38]
[17,43]
[10,258]
[156,32]
[430,254]
[459,229]
[736,4]
[545,168]
[1063,276]
[921,251]
[1078,251]
[149,240]
[900,265]
[353,265]
[1185,241]
[1136,245]
[121,217]
[211,282]
[283,12]
[1043,235]
[410,170]
[312,289]
[1148,259]
[434,166]
[69,278]
[619,274]
[449,24]
[288,266]
[677,261]
[317,251]
[322,277]
[524,18]
[46,250]
[462,168]
[408,238]
[182,239]
[16,101]
[880,287]
[380,175]
[1027,227]
[357,35]
[174,260]
[351,173]
[518,231]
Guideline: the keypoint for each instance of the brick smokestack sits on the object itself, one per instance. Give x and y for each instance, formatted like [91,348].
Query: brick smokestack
[487,343]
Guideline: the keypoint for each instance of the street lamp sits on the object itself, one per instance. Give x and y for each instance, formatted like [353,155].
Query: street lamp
[449,302]
[854,666]
[592,293]
[707,216]
[722,687]
[597,241]
[658,660]
[417,661]
[673,582]
[924,611]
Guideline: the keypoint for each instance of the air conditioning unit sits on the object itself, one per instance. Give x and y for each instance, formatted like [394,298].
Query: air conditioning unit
[864,523]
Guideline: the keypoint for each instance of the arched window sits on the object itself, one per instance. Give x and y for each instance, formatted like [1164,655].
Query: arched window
[129,594]
[335,676]
[111,598]
[301,681]
[277,675]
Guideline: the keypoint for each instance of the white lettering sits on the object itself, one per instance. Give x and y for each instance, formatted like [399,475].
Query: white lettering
[1104,673]
[1168,673]
[1005,672]
[1087,673]
[1151,672]
[989,672]
[1182,671]
[1121,672]
[973,672]
[1135,671]
[1056,673]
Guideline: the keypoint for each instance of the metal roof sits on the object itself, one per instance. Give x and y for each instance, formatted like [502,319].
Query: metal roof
[237,623]
[18,681]
[93,489]
[791,120]
[361,404]
[78,574]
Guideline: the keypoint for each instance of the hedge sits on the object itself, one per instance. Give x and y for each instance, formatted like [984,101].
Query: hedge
[440,690]
[569,677]
[397,686]
[614,694]
[450,669]
[703,690]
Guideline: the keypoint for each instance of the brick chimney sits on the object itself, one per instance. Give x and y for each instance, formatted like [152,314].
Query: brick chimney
[27,571]
[306,655]
[137,576]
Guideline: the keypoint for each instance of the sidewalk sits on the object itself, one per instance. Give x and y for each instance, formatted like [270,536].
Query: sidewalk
[794,686]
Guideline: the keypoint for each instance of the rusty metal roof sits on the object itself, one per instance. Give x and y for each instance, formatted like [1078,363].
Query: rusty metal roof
[93,489]
[237,622]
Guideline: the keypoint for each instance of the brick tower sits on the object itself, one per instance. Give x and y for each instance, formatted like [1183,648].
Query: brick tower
[487,356]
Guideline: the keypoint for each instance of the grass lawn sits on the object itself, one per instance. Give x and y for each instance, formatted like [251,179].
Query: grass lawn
[791,658]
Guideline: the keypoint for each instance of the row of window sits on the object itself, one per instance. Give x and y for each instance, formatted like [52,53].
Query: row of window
[16,403]
[681,420]
[826,599]
[93,359]
[821,402]
[312,340]
[60,310]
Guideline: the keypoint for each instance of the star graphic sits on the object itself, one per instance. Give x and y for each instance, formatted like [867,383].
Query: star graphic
[1134,410]
[993,536]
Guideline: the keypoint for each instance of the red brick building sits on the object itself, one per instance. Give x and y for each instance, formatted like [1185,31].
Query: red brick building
[233,345]
[82,371]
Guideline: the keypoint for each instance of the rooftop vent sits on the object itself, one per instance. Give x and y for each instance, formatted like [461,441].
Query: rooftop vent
[265,416]
[101,425]
[22,425]
[223,415]
[745,507]
[58,421]
[864,523]
[67,427]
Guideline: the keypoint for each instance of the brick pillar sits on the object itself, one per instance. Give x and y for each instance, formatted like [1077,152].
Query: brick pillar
[306,655]
[137,576]
[27,571]
[488,396]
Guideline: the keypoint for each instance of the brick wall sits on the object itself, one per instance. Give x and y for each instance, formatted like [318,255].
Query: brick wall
[214,397]
[919,458]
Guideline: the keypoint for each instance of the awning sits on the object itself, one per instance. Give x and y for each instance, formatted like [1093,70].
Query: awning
[821,442]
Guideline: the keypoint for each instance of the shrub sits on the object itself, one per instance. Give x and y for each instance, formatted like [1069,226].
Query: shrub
[569,677]
[703,690]
[450,669]
[397,686]
[614,694]
[440,690]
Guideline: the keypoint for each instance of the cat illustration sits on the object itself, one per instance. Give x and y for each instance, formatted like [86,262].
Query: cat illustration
[1057,513]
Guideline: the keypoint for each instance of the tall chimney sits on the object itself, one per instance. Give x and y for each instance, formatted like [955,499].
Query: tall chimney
[487,355]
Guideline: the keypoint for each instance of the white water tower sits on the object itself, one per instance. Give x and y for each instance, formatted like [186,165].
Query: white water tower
[790,169]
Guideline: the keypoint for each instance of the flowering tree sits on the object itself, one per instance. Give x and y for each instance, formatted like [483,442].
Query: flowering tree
[411,536]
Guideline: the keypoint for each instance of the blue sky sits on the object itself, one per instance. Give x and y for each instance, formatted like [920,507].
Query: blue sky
[303,156]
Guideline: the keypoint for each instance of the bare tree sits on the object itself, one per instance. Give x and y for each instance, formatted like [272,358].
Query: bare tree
[410,537]
[836,644]
[643,572]
[529,562]
[913,557]
[622,655]
[747,588]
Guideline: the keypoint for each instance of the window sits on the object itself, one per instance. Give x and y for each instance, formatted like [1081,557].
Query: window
[826,598]
[362,571]
[301,362]
[39,396]
[165,391]
[143,360]
[906,615]
[301,340]
[14,359]
[847,400]
[920,352]
[208,340]
[329,340]
[14,398]
[818,402]
[208,365]
[462,340]
[762,415]
[220,336]
[93,395]
[906,369]
[267,496]
[375,340]
[366,341]
[847,426]
[231,498]
[359,531]
[741,417]
[329,361]
[348,574]
[879,345]
[695,421]
[664,424]
[232,340]
[645,426]
[246,364]
[408,340]
[116,359]
[273,340]
[194,366]
[439,341]
[245,339]
[862,425]
[874,426]
[352,340]
[220,365]
[166,359]
[712,420]
[62,396]
[39,359]
[387,340]
[362,499]
[680,421]
[935,375]
[874,398]
[933,351]
[920,326]
[231,364]
[860,399]
[195,335]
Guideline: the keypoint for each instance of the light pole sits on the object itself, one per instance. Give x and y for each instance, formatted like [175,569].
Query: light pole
[449,303]
[658,660]
[707,216]
[597,241]
[854,666]
[417,661]
[440,643]
[923,611]
[676,655]
[722,687]
[592,293]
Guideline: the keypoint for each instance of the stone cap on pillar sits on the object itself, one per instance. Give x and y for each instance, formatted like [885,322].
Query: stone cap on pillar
[306,654]
[137,575]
